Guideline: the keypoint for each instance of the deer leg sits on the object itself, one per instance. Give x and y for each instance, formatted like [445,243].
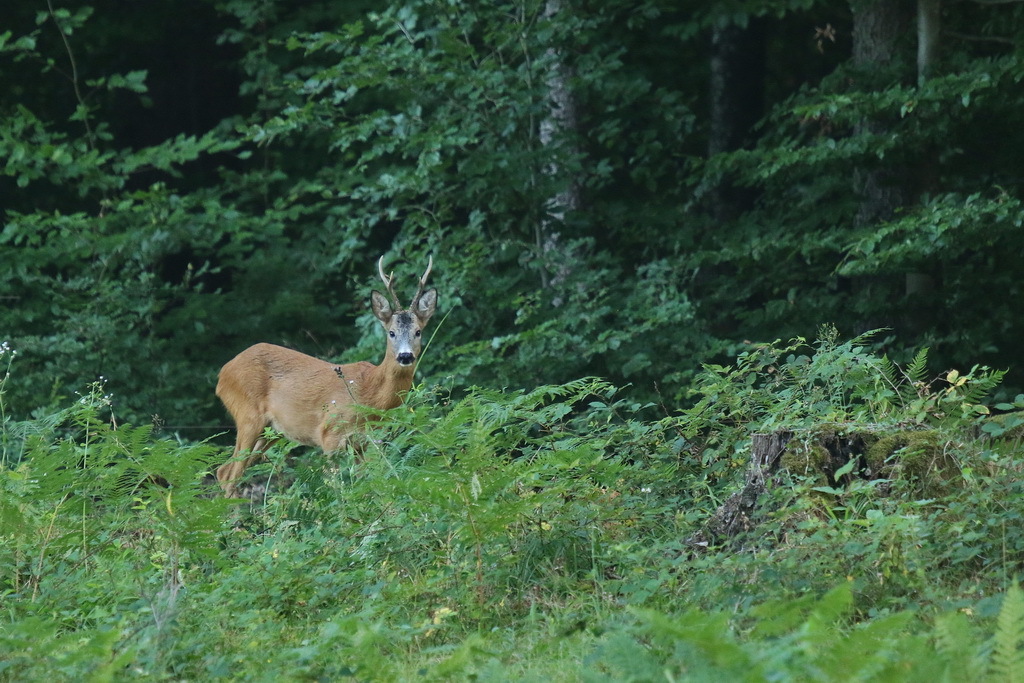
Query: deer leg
[358,444]
[248,441]
[333,441]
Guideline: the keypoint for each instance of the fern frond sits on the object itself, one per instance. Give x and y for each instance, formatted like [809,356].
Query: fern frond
[889,371]
[1007,656]
[982,384]
[958,645]
[918,367]
[863,338]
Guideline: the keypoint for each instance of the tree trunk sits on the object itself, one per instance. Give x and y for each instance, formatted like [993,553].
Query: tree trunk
[831,459]
[734,515]
[561,123]
[737,104]
[920,285]
[929,29]
[878,26]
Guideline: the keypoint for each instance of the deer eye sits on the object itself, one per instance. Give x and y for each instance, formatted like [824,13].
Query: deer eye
[417,333]
[391,333]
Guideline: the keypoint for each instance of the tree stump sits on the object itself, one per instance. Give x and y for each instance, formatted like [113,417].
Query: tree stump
[734,515]
[919,457]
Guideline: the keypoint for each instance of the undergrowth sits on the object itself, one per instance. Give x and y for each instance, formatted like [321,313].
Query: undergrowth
[528,535]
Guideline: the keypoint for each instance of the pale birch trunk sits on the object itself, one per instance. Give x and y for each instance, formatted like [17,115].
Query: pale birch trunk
[561,123]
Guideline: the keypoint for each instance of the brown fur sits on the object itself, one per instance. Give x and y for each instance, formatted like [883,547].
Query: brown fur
[310,400]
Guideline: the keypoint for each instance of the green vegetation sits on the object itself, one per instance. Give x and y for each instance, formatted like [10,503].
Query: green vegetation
[608,470]
[182,180]
[541,535]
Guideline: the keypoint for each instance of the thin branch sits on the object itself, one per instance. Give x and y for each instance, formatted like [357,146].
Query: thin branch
[981,39]
[406,32]
[74,74]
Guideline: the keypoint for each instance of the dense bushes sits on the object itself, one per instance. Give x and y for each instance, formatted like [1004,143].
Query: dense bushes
[538,534]
[183,183]
[556,528]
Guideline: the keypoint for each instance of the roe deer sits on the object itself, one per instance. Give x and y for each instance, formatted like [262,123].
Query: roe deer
[312,401]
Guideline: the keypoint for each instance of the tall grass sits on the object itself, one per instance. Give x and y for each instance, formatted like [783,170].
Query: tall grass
[529,535]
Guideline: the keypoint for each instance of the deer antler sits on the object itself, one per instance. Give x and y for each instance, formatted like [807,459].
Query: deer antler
[423,281]
[389,281]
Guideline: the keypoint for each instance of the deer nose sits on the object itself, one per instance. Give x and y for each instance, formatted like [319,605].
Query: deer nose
[405,358]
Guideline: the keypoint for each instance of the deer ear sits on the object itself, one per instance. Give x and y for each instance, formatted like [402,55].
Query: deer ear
[425,306]
[381,307]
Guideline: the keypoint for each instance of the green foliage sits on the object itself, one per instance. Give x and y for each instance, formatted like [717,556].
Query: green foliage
[792,385]
[348,130]
[957,206]
[415,127]
[1007,659]
[150,231]
[500,494]
[810,639]
[409,130]
[436,111]
[517,534]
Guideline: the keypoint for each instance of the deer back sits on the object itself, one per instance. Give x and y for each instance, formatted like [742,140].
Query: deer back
[287,390]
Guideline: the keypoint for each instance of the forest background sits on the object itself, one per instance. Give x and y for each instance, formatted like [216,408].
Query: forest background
[618,189]
[648,192]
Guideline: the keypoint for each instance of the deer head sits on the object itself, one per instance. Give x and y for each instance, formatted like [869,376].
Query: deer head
[404,326]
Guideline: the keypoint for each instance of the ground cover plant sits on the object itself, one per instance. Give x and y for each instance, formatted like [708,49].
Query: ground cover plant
[551,534]
[608,470]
